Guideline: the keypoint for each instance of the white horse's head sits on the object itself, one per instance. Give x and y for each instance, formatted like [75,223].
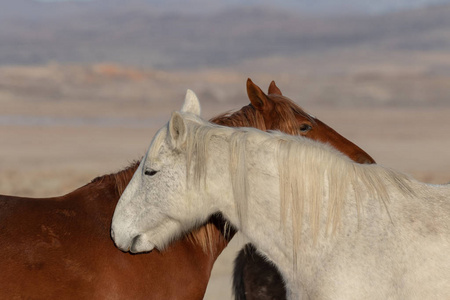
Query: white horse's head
[153,208]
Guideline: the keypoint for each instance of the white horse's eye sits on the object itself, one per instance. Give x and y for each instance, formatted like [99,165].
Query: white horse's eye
[150,172]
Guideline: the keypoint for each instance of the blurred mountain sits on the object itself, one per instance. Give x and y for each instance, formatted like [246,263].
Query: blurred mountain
[309,6]
[148,34]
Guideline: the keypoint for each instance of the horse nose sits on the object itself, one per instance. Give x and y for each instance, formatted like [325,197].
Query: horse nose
[134,244]
[112,233]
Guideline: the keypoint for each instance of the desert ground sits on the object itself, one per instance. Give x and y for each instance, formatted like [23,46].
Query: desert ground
[54,140]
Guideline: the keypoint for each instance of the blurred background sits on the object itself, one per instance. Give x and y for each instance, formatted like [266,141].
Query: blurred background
[84,84]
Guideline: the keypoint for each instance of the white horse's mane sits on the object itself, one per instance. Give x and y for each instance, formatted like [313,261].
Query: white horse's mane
[296,157]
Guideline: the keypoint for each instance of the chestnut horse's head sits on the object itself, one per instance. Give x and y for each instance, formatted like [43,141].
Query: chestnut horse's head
[277,112]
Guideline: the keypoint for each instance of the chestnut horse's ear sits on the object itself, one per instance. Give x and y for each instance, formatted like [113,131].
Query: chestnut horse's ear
[177,130]
[191,103]
[257,97]
[273,89]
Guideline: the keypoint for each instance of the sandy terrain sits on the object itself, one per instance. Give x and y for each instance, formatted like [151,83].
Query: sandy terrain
[51,148]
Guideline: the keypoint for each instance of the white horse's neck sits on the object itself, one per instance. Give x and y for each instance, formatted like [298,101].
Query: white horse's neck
[259,215]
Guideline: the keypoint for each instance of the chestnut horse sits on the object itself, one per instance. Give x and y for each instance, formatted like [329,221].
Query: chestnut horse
[61,247]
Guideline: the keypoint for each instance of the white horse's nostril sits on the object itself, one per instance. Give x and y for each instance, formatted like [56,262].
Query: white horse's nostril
[112,233]
[134,244]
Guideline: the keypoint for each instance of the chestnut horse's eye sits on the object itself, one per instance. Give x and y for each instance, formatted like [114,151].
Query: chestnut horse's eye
[305,127]
[150,172]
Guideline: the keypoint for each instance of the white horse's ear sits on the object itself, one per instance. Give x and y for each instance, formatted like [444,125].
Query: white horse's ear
[177,130]
[191,103]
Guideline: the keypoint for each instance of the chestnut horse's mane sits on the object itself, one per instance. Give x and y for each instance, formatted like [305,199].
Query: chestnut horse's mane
[120,179]
[247,116]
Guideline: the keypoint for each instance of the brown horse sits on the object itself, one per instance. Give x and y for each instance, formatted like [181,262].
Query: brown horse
[61,248]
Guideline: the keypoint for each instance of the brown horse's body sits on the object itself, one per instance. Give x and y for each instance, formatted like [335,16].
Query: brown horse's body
[60,248]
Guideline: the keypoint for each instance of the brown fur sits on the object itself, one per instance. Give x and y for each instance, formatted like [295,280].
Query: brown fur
[60,248]
[121,178]
[247,116]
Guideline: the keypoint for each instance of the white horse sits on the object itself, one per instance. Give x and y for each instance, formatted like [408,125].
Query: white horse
[334,228]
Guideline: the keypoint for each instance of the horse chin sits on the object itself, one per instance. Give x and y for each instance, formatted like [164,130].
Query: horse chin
[141,244]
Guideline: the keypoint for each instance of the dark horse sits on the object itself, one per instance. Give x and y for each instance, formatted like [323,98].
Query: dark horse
[60,248]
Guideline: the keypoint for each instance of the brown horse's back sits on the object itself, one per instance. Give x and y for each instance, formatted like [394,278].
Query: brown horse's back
[60,248]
